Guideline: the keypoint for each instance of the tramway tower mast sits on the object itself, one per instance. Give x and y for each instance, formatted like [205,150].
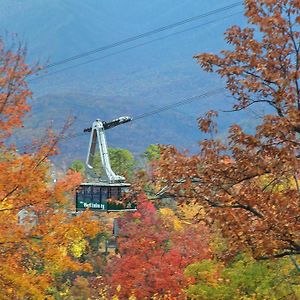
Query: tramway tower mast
[108,192]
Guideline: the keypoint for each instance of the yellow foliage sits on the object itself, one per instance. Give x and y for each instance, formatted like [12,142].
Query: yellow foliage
[63,251]
[78,247]
[169,214]
[273,184]
[32,256]
[189,212]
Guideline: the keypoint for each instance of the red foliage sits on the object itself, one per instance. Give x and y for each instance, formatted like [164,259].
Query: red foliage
[153,254]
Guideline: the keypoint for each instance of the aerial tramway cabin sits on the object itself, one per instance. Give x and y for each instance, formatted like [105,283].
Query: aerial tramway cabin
[103,196]
[108,193]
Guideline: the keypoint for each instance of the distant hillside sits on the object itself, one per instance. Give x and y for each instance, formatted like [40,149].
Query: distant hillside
[131,82]
[175,126]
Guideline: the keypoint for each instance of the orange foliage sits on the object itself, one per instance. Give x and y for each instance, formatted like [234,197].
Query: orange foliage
[250,184]
[13,88]
[37,248]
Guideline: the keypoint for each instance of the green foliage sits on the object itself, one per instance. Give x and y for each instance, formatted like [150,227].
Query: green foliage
[121,160]
[245,278]
[152,153]
[78,166]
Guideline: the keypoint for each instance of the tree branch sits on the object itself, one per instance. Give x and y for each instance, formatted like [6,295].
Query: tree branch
[279,255]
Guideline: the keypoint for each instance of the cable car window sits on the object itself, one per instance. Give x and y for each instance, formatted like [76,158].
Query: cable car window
[96,190]
[88,190]
[125,190]
[80,190]
[114,193]
[96,194]
[80,193]
[104,194]
[88,193]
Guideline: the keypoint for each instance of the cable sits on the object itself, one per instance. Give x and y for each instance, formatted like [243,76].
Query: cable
[163,108]
[156,111]
[179,103]
[148,33]
[130,48]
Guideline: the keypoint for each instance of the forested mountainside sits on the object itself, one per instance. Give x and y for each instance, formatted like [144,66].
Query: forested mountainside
[131,82]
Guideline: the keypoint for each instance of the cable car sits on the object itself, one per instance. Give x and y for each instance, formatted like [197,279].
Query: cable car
[103,196]
[107,193]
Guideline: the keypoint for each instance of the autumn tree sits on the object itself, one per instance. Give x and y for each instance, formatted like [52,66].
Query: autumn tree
[250,183]
[154,249]
[152,153]
[122,162]
[149,161]
[243,278]
[78,166]
[36,251]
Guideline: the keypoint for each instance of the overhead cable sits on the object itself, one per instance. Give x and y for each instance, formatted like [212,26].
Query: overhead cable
[130,48]
[165,108]
[179,103]
[142,35]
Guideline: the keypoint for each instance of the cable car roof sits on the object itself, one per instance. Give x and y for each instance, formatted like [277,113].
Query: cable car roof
[106,184]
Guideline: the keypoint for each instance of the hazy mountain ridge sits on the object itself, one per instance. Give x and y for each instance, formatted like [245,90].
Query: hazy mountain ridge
[173,126]
[133,82]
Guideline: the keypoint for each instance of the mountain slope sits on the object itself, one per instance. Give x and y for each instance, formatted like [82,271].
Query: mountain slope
[131,82]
